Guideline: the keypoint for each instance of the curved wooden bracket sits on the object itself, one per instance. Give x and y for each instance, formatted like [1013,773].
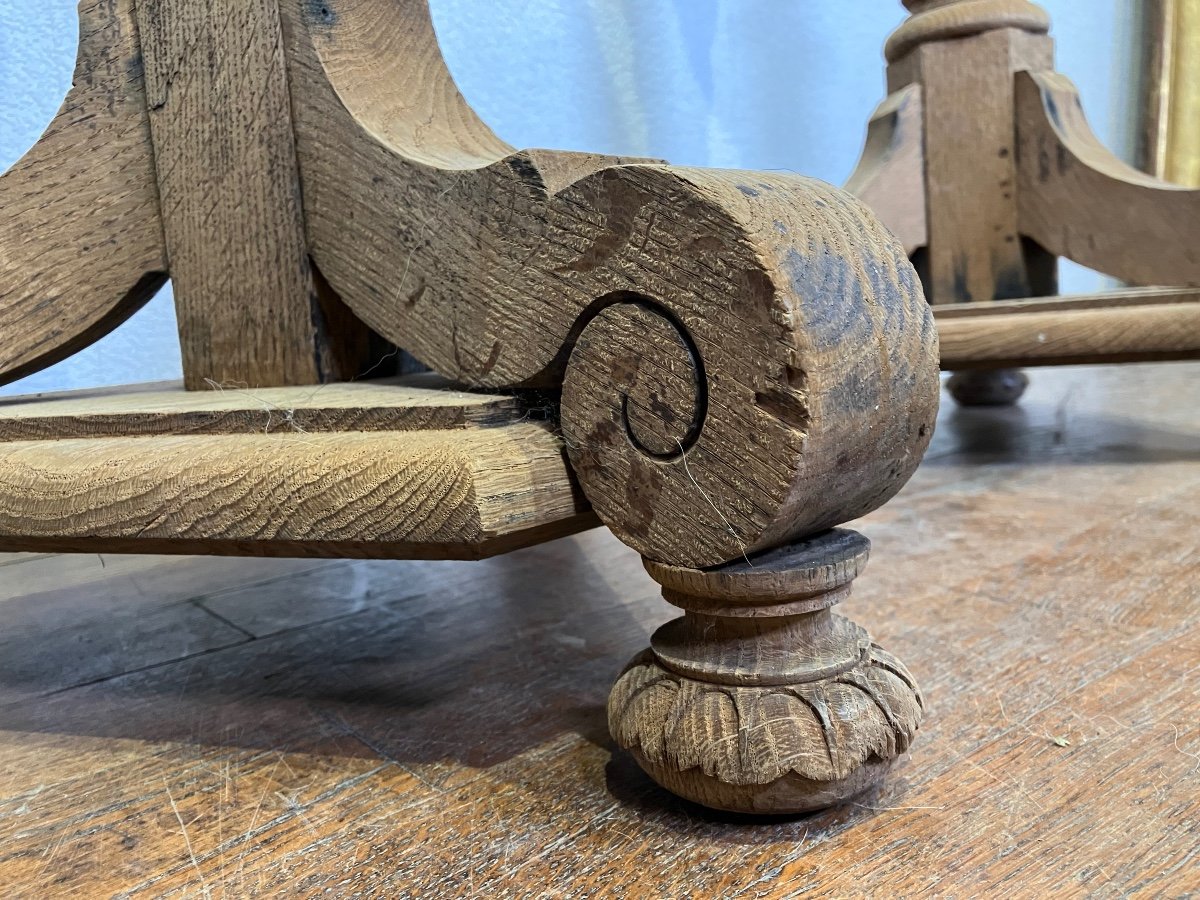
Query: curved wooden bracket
[744,358]
[747,355]
[1075,197]
[81,241]
[890,176]
[982,163]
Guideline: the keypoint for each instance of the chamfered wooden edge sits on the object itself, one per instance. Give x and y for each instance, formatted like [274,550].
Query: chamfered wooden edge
[424,402]
[463,493]
[408,468]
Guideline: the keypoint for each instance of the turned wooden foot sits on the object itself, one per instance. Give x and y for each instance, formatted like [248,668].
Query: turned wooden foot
[993,387]
[760,699]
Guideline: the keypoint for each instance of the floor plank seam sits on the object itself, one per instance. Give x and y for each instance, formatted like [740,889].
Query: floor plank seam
[198,603]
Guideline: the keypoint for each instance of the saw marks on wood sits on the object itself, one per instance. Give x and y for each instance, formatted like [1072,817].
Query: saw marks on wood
[81,239]
[177,727]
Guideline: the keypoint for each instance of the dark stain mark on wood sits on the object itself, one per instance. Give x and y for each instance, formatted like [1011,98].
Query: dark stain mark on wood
[620,204]
[524,169]
[321,12]
[821,272]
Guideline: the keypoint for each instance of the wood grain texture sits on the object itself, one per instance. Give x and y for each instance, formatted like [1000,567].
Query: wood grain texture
[462,493]
[220,115]
[1143,333]
[975,251]
[1074,194]
[655,408]
[81,242]
[438,728]
[759,699]
[806,352]
[409,403]
[1012,178]
[1119,298]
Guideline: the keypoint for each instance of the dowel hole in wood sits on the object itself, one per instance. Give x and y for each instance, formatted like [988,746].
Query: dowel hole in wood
[320,11]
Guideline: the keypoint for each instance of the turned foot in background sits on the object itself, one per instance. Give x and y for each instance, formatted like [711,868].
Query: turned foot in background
[992,387]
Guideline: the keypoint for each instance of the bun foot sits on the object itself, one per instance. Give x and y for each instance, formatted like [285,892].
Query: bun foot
[993,387]
[759,699]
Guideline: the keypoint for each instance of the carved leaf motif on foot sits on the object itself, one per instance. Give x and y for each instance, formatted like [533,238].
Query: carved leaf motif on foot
[822,731]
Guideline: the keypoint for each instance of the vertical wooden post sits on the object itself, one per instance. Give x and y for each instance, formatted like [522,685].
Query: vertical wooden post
[246,296]
[975,250]
[964,56]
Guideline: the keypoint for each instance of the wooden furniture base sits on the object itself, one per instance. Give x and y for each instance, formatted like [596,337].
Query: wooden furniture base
[759,699]
[726,361]
[729,361]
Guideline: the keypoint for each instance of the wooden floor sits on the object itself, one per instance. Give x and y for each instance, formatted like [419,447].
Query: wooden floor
[205,727]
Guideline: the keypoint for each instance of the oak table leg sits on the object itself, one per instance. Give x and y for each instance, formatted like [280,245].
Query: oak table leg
[745,359]
[759,699]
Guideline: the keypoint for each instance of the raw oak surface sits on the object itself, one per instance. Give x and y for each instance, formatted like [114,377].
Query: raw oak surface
[201,727]
[408,468]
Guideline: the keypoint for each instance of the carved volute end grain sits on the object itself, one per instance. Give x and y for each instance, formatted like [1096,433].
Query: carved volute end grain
[996,387]
[939,20]
[759,699]
[770,372]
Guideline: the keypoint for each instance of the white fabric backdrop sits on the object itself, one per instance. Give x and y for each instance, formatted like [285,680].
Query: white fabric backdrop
[761,84]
